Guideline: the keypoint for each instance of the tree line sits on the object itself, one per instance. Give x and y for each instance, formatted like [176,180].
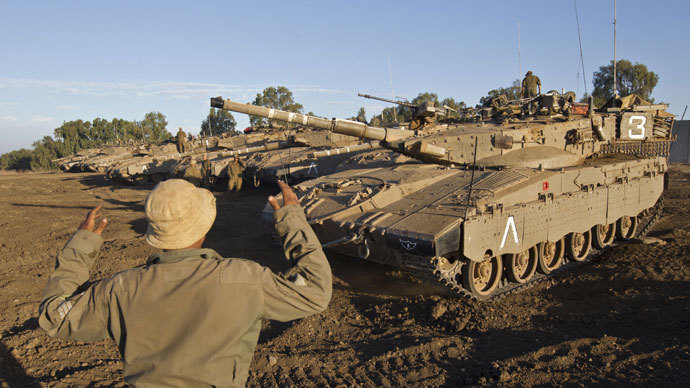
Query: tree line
[73,136]
[76,135]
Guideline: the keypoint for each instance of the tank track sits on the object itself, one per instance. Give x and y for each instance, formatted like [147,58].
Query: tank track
[449,274]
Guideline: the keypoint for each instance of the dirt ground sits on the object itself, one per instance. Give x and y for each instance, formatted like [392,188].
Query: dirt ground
[621,320]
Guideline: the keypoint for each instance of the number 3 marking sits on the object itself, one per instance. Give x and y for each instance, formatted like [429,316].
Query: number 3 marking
[639,133]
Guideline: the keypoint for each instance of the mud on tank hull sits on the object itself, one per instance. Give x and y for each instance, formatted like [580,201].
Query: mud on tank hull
[519,221]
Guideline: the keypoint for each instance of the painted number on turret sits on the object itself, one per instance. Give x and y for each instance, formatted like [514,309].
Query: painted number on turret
[510,225]
[636,128]
[633,126]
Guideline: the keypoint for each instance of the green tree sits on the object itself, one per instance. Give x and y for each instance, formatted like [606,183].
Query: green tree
[630,79]
[456,105]
[387,116]
[74,136]
[425,97]
[16,160]
[101,131]
[153,127]
[43,154]
[401,113]
[512,92]
[361,116]
[125,130]
[218,121]
[277,98]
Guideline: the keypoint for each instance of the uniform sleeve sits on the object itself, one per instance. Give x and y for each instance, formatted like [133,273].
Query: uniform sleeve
[306,288]
[66,310]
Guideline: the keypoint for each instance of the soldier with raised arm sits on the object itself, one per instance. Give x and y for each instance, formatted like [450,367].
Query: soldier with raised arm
[189,317]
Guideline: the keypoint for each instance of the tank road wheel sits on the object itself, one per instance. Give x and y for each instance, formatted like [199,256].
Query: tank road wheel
[550,256]
[577,245]
[521,266]
[482,278]
[603,235]
[626,227]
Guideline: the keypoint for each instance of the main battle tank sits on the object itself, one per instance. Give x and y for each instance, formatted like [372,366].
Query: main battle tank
[499,203]
[305,153]
[71,163]
[153,163]
[95,159]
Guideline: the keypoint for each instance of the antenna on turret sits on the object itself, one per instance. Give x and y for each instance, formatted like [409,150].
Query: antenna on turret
[579,38]
[519,58]
[390,77]
[615,85]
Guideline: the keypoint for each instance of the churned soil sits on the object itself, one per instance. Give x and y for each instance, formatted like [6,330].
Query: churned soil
[622,319]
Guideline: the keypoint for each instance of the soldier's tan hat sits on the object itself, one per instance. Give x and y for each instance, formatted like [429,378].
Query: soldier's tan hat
[179,214]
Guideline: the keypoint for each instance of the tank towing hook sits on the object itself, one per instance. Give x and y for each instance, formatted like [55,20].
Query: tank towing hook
[355,238]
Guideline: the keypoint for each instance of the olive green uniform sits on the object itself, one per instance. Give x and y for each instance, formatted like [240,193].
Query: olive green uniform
[206,173]
[530,84]
[234,170]
[193,175]
[189,318]
[182,145]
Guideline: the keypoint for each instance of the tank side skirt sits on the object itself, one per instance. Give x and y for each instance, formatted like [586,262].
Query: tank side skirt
[541,221]
[506,288]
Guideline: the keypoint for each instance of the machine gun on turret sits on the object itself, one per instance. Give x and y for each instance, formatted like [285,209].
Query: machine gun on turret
[424,113]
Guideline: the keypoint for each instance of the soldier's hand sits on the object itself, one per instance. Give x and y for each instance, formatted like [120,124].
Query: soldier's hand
[289,197]
[90,221]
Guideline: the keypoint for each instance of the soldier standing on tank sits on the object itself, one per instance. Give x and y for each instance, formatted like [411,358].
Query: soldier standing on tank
[531,87]
[181,141]
[234,170]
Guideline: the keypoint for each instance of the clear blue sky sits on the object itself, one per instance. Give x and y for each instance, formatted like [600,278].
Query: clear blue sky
[67,60]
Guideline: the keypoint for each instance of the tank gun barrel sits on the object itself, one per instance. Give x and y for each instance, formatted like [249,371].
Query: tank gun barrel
[402,103]
[345,127]
[422,110]
[250,150]
[342,150]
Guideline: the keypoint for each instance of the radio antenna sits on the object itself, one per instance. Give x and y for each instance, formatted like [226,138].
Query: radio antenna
[519,57]
[579,37]
[390,77]
[615,84]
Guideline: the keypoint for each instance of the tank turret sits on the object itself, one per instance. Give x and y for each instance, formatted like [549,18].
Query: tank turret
[553,141]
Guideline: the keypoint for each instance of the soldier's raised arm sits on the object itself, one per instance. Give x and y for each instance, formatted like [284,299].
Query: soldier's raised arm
[306,288]
[63,311]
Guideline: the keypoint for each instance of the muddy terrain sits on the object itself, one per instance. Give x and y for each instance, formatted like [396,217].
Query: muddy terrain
[622,319]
